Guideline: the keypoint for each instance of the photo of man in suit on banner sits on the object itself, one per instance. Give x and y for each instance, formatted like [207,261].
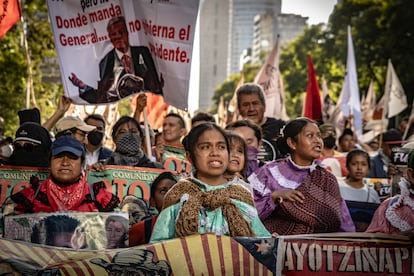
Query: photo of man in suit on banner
[123,71]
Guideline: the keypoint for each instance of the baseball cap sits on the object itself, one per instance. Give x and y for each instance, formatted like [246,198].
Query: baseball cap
[70,122]
[67,144]
[325,128]
[33,132]
[392,136]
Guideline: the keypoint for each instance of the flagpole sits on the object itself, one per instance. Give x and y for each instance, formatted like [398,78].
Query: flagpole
[29,84]
[147,136]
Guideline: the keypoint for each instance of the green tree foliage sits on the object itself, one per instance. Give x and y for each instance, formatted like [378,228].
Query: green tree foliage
[14,64]
[228,87]
[381,30]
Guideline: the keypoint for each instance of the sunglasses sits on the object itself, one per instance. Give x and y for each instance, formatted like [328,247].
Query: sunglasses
[73,132]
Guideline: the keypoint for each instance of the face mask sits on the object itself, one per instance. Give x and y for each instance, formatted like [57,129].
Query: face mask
[329,142]
[6,151]
[36,157]
[95,138]
[129,144]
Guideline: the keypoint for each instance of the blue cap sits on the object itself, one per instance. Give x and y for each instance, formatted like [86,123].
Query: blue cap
[68,144]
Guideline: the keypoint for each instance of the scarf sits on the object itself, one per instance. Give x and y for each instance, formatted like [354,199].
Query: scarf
[400,213]
[187,220]
[65,198]
[128,150]
[320,212]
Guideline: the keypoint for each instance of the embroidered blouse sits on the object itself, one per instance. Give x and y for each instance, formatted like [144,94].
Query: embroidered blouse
[284,174]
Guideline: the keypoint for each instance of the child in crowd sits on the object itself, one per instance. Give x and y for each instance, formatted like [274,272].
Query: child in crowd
[140,232]
[352,187]
[252,134]
[395,214]
[238,156]
[207,202]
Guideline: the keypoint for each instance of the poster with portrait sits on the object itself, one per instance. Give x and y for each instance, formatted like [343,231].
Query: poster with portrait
[77,230]
[122,181]
[109,50]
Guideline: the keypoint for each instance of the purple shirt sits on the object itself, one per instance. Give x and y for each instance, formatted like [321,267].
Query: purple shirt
[286,175]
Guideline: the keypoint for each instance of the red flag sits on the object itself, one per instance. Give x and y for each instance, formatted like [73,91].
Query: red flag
[313,105]
[9,16]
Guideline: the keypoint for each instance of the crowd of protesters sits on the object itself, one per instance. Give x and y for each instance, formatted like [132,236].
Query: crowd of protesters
[305,188]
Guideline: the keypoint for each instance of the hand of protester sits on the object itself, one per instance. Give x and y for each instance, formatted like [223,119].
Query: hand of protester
[97,167]
[76,81]
[141,102]
[290,195]
[64,104]
[392,170]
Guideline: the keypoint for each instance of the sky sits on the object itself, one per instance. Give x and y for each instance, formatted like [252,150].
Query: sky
[317,11]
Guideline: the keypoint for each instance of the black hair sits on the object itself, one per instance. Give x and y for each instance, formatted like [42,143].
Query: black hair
[356,152]
[46,230]
[160,177]
[123,120]
[96,117]
[195,133]
[180,119]
[291,130]
[347,131]
[247,123]
[234,137]
[202,116]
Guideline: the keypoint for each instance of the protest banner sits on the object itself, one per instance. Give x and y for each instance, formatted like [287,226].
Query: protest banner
[14,179]
[79,230]
[381,185]
[120,180]
[103,59]
[399,158]
[174,159]
[124,180]
[344,254]
[208,254]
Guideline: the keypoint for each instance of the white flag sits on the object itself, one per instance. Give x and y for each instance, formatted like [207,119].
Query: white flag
[368,103]
[349,100]
[269,78]
[397,100]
